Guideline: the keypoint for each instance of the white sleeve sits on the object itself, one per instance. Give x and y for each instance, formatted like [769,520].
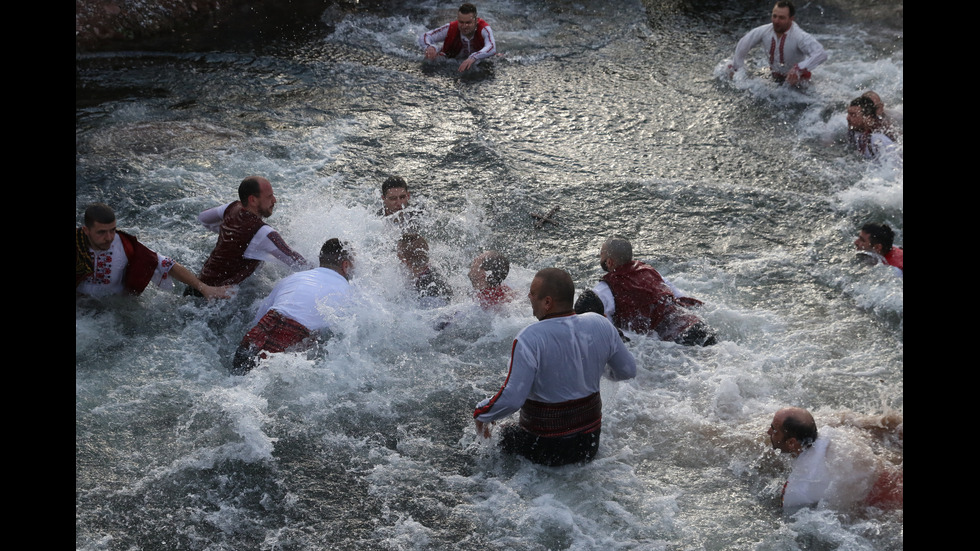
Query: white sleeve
[747,42]
[815,54]
[434,37]
[673,288]
[604,293]
[489,45]
[261,247]
[211,218]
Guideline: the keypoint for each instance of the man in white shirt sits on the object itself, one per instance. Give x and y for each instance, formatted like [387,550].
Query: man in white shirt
[299,308]
[555,369]
[793,53]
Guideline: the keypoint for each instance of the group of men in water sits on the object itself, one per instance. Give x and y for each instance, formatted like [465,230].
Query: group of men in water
[556,364]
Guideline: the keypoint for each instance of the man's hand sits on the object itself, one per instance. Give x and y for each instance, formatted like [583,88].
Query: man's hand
[482,429]
[211,293]
[466,64]
[431,53]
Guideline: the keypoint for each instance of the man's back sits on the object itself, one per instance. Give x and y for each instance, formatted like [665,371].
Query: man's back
[570,354]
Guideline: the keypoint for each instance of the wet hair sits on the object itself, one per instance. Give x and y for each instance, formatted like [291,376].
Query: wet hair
[468,8]
[588,301]
[802,427]
[248,188]
[866,104]
[414,248]
[496,267]
[880,234]
[557,284]
[619,249]
[393,182]
[787,4]
[99,212]
[334,252]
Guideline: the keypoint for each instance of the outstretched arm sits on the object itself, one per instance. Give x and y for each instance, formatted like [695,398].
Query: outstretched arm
[188,278]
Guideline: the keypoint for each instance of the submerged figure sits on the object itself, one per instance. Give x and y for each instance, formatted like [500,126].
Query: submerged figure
[555,368]
[468,38]
[866,132]
[297,310]
[111,262]
[636,297]
[793,53]
[432,289]
[831,468]
[877,241]
[487,274]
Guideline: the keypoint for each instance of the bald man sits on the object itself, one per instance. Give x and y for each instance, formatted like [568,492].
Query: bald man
[636,297]
[834,467]
[555,368]
[244,239]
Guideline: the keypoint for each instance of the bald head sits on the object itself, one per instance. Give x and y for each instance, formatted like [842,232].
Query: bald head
[792,430]
[615,252]
[552,292]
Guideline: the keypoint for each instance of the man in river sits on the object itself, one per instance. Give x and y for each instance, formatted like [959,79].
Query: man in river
[793,53]
[835,466]
[487,274]
[299,308]
[636,297]
[431,288]
[878,241]
[468,38]
[555,368]
[395,198]
[244,239]
[111,262]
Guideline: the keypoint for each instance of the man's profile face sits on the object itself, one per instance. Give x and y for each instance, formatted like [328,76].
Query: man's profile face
[781,19]
[478,277]
[538,307]
[100,235]
[863,243]
[603,259]
[856,119]
[777,436]
[467,23]
[267,199]
[395,199]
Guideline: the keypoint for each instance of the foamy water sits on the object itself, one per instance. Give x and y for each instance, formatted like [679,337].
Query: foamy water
[743,194]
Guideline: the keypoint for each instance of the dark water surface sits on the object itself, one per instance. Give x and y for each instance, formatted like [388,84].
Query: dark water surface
[741,192]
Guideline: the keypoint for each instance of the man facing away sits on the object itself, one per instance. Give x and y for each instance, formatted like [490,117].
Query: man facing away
[636,297]
[298,308]
[487,274]
[244,239]
[793,53]
[111,262]
[468,38]
[555,369]
[877,240]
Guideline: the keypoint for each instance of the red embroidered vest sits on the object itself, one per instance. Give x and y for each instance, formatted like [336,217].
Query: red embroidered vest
[227,264]
[645,303]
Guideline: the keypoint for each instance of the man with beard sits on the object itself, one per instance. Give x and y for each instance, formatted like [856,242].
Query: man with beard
[636,297]
[793,53]
[244,239]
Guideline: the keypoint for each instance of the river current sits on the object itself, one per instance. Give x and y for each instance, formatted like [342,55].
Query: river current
[743,193]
